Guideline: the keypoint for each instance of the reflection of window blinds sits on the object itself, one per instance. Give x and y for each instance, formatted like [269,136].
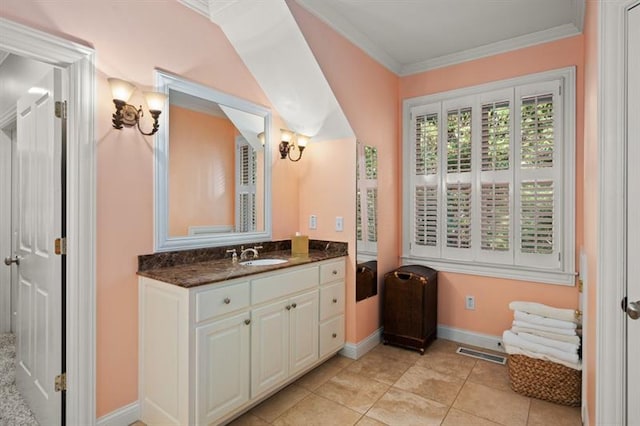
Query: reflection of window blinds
[372,220]
[246,188]
[367,198]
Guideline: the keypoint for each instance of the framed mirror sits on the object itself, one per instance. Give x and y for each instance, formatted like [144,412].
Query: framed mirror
[366,222]
[212,168]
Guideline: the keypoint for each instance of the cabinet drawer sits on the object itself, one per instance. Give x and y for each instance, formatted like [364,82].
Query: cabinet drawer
[331,300]
[220,301]
[282,284]
[331,335]
[332,271]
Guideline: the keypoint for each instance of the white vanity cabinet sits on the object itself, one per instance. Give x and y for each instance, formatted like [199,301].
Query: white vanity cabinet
[210,352]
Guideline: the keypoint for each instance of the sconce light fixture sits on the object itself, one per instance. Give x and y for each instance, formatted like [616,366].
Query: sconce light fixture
[291,141]
[127,114]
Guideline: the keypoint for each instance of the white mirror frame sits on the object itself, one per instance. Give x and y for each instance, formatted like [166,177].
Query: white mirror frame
[162,240]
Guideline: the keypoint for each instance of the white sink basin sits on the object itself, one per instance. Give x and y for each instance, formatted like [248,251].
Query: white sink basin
[262,262]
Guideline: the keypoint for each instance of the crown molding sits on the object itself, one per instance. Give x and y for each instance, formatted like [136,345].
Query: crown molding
[545,36]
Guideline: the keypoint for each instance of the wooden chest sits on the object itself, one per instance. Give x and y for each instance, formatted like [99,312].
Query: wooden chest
[410,307]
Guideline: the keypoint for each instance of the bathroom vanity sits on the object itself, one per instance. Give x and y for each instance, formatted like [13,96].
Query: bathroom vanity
[216,337]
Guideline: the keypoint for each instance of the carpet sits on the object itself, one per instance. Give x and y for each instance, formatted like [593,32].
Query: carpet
[13,408]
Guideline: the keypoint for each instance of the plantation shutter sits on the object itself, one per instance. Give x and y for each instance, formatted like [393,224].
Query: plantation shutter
[539,176]
[458,214]
[246,165]
[425,217]
[496,178]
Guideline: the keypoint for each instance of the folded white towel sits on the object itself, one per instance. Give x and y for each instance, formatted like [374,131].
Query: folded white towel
[545,311]
[555,336]
[512,339]
[547,322]
[570,348]
[513,350]
[526,324]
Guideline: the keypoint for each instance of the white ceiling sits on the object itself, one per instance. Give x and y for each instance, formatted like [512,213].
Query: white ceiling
[410,36]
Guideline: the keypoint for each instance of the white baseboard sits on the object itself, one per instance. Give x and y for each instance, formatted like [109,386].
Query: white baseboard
[480,340]
[122,416]
[357,350]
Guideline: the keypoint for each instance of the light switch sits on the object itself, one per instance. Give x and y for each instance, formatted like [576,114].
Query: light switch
[313,222]
[339,224]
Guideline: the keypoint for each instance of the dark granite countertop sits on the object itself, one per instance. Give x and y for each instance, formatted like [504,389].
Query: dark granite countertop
[187,274]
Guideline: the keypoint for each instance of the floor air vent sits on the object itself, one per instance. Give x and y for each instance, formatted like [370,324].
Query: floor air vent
[482,355]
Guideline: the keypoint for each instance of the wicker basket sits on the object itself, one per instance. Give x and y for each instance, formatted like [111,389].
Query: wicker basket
[545,380]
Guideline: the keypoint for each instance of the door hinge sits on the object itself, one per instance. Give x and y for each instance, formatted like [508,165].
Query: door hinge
[60,246]
[61,109]
[61,382]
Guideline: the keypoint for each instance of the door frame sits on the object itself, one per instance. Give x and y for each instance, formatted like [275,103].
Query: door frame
[79,60]
[610,320]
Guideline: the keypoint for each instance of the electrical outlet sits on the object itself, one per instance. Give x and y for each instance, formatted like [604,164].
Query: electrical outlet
[313,222]
[470,302]
[339,224]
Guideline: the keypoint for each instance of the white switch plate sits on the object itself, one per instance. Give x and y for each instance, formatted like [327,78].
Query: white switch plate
[313,222]
[339,223]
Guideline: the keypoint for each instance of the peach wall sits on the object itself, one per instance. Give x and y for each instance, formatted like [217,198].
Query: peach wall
[368,95]
[202,153]
[492,314]
[131,39]
[591,207]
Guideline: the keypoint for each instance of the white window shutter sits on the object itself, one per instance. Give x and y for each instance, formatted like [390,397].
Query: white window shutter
[539,175]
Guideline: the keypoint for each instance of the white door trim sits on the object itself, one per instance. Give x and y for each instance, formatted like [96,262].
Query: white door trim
[81,206]
[610,330]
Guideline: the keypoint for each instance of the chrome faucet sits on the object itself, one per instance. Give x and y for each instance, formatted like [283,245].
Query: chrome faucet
[234,255]
[244,251]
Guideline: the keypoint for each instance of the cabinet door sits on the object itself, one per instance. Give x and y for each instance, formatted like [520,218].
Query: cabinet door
[222,367]
[269,346]
[304,331]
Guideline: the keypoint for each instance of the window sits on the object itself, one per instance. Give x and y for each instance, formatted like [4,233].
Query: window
[490,176]
[367,200]
[245,186]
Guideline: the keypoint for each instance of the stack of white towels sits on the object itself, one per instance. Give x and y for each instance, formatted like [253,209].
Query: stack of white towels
[544,332]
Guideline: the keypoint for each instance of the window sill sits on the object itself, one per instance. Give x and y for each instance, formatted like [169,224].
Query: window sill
[495,270]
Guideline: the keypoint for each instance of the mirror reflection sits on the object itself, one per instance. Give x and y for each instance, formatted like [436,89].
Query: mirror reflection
[366,222]
[212,185]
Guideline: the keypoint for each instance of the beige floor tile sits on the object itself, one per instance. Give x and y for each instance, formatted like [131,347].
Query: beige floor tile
[273,407]
[368,421]
[430,384]
[543,413]
[490,374]
[318,376]
[442,345]
[447,362]
[460,418]
[504,407]
[316,410]
[248,419]
[396,353]
[353,391]
[378,367]
[397,407]
[340,361]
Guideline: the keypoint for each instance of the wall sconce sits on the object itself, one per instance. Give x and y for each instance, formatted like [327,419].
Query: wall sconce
[290,142]
[127,114]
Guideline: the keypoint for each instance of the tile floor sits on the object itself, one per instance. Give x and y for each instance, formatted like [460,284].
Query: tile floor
[393,386]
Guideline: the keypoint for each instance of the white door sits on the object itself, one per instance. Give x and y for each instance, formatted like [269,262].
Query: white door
[633,197]
[303,330]
[222,367]
[39,192]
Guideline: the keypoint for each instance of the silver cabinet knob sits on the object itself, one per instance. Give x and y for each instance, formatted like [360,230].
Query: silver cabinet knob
[334,335]
[9,260]
[227,300]
[293,305]
[334,272]
[633,310]
[247,321]
[335,300]
[288,307]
